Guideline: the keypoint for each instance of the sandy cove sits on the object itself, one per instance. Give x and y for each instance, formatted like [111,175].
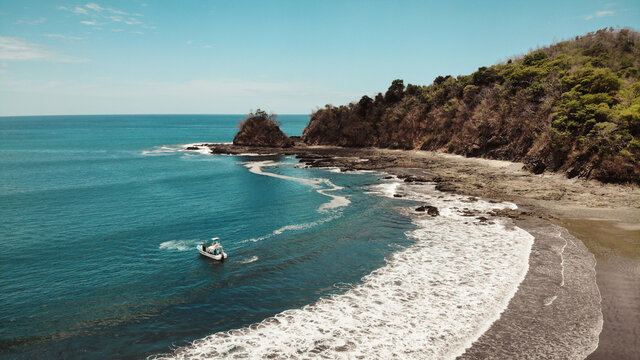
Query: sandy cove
[603,217]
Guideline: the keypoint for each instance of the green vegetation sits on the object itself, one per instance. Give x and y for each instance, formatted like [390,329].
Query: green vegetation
[260,114]
[573,107]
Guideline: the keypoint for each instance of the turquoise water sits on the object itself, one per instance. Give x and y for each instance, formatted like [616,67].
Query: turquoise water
[101,216]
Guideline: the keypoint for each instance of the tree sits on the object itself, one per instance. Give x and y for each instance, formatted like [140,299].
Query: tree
[395,92]
[263,114]
[440,79]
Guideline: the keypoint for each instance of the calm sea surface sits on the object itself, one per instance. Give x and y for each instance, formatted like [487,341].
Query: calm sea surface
[101,216]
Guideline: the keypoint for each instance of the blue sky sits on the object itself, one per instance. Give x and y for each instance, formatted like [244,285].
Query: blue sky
[168,57]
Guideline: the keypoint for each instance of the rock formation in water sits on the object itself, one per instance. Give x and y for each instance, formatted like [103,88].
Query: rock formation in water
[261,129]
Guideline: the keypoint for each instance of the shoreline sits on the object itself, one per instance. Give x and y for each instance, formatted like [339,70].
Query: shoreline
[543,200]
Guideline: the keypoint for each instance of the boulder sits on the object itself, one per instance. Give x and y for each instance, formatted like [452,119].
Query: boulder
[431,210]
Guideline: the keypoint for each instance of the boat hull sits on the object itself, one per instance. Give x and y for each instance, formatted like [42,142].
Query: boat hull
[219,257]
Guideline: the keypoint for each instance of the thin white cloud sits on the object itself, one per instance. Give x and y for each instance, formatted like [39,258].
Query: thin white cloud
[31,21]
[64,37]
[132,21]
[94,7]
[118,12]
[16,49]
[599,14]
[75,10]
[99,16]
[79,10]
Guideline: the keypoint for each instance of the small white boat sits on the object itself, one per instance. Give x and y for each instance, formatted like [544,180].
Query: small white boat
[213,251]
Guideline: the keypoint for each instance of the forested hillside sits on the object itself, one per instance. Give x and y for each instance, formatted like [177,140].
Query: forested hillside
[572,107]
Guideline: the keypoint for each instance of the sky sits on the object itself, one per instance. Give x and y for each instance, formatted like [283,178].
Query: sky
[61,57]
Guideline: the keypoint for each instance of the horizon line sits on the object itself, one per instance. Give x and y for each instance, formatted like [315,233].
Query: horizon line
[146,114]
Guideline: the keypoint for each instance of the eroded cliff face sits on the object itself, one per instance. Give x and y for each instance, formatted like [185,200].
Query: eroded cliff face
[573,107]
[260,130]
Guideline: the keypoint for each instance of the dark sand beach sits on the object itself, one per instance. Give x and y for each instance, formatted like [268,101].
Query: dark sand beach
[582,229]
[616,246]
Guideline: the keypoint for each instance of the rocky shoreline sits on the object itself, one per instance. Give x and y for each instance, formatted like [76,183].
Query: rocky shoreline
[543,200]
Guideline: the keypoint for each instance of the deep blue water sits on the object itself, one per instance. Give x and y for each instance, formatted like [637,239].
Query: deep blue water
[100,218]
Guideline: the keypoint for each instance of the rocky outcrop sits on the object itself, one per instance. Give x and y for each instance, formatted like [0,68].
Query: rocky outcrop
[260,130]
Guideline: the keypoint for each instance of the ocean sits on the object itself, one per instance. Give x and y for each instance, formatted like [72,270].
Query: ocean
[101,216]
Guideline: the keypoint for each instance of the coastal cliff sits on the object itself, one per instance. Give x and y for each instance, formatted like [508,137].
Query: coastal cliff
[572,107]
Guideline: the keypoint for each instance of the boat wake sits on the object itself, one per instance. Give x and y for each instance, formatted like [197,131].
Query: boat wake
[294,227]
[179,245]
[249,260]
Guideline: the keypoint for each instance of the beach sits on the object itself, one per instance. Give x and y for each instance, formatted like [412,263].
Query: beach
[585,233]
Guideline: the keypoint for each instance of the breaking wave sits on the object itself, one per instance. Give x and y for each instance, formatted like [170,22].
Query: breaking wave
[171,149]
[430,301]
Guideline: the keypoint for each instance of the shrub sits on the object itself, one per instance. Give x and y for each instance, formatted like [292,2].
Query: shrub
[535,58]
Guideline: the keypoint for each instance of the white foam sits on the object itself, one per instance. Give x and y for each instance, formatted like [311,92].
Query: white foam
[548,301]
[162,150]
[600,323]
[562,257]
[430,301]
[171,149]
[179,245]
[386,189]
[204,150]
[337,201]
[337,170]
[255,154]
[303,226]
[249,260]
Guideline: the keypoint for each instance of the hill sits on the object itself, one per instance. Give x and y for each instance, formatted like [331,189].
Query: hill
[261,129]
[571,107]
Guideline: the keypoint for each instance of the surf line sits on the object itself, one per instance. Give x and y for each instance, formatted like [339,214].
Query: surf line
[337,201]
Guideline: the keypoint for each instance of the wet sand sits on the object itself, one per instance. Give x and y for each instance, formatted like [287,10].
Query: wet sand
[616,246]
[604,217]
[556,312]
